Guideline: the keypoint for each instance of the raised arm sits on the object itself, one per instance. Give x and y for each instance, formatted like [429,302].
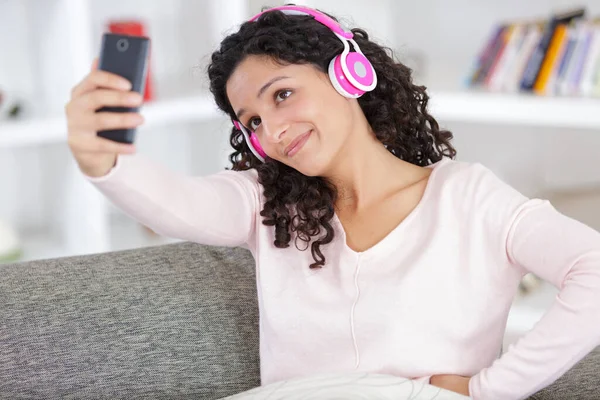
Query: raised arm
[219,209]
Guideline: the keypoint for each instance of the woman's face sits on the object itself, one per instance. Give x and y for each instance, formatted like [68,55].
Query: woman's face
[297,115]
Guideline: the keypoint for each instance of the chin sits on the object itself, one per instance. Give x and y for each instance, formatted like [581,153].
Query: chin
[310,167]
[304,169]
[309,162]
[310,172]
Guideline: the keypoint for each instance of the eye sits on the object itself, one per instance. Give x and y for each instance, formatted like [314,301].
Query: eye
[252,122]
[280,95]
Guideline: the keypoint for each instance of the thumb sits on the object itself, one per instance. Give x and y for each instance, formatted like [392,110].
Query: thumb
[95,64]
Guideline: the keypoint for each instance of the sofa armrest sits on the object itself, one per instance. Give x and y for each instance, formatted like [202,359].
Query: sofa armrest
[175,320]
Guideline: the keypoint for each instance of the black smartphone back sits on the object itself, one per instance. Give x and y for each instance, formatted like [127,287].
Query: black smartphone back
[126,56]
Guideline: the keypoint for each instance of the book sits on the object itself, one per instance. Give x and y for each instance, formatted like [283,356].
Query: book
[486,58]
[533,36]
[569,66]
[514,41]
[590,65]
[532,71]
[566,61]
[555,50]
[569,80]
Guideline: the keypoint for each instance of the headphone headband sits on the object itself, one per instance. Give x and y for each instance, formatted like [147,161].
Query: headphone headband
[319,16]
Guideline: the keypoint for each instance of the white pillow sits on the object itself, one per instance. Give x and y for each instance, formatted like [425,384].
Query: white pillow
[348,386]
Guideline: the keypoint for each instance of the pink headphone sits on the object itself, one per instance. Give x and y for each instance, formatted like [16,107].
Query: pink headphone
[350,73]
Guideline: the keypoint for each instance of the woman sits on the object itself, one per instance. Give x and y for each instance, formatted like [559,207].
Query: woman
[375,250]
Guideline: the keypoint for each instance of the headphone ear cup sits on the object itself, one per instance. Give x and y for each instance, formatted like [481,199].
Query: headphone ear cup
[251,141]
[257,147]
[340,82]
[359,71]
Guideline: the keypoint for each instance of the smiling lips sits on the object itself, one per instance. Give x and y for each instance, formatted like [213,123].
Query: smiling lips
[297,144]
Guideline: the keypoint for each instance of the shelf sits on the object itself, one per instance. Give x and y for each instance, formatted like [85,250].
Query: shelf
[54,129]
[515,109]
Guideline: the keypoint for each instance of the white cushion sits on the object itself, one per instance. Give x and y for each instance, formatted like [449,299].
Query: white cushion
[348,386]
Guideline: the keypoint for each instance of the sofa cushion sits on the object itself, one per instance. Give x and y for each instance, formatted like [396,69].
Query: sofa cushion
[178,320]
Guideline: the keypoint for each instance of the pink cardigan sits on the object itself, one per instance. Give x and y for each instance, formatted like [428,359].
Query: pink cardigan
[432,297]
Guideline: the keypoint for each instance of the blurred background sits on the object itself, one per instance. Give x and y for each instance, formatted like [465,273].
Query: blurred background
[545,142]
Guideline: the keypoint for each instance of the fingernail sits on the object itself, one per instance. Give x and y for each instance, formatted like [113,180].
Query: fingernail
[134,98]
[125,84]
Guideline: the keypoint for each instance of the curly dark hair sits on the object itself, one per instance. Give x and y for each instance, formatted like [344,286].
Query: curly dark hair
[396,110]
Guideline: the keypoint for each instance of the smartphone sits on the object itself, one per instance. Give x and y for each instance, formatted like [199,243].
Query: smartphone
[126,56]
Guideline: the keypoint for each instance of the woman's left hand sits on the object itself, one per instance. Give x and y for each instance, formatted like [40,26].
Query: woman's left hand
[455,383]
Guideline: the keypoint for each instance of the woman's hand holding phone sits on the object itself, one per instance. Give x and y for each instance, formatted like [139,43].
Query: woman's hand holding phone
[96,155]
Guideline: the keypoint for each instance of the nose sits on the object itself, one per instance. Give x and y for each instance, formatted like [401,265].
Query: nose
[274,128]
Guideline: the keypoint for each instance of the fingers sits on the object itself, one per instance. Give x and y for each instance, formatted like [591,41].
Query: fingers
[97,99]
[113,120]
[94,154]
[102,121]
[99,145]
[99,78]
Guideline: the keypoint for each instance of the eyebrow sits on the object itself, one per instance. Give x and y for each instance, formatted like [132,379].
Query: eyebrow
[262,90]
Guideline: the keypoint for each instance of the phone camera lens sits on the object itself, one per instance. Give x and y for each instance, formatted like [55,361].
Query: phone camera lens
[122,44]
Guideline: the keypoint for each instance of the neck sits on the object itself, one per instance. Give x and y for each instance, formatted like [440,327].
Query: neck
[364,172]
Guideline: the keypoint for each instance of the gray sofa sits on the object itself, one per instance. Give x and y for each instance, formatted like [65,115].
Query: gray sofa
[173,321]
